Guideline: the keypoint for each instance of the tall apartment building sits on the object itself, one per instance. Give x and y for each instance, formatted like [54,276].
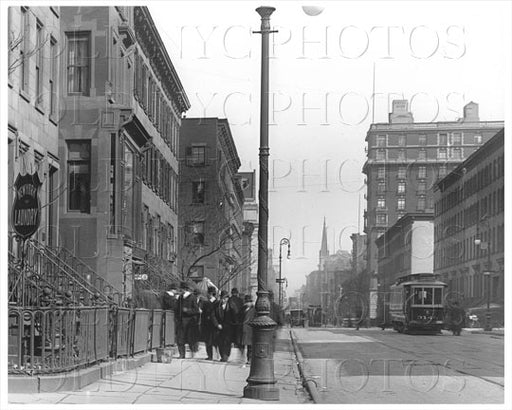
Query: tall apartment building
[404,160]
[470,206]
[34,55]
[210,203]
[122,103]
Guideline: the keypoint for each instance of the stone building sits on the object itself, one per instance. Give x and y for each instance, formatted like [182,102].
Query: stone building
[122,103]
[35,46]
[469,227]
[405,159]
[210,203]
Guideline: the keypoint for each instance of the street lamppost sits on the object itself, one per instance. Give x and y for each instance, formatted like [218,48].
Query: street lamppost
[261,383]
[284,241]
[487,274]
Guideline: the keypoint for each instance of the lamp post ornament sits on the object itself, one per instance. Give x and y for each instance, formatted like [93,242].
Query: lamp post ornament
[261,381]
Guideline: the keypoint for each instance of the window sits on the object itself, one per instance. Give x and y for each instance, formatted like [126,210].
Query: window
[128,191]
[381,140]
[381,154]
[381,173]
[401,140]
[423,296]
[198,188]
[381,187]
[172,242]
[78,63]
[400,205]
[79,176]
[421,203]
[443,139]
[422,154]
[401,154]
[24,49]
[442,171]
[39,62]
[381,202]
[441,153]
[422,172]
[53,77]
[401,187]
[457,138]
[197,155]
[478,139]
[422,187]
[196,232]
[423,140]
[112,178]
[382,219]
[402,173]
[457,153]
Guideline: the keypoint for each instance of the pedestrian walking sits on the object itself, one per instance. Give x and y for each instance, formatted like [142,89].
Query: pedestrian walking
[248,313]
[222,320]
[207,326]
[187,313]
[455,318]
[236,306]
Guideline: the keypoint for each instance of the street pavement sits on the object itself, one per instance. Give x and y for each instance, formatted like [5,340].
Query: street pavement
[183,381]
[386,367]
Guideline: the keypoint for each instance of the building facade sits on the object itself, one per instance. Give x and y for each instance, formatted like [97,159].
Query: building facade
[122,103]
[210,203]
[404,160]
[34,55]
[469,227]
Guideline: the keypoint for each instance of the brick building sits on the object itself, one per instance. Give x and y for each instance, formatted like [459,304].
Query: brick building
[35,45]
[470,205]
[404,160]
[210,203]
[122,103]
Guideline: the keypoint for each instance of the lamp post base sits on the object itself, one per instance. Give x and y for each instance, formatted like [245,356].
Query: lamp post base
[261,383]
[488,326]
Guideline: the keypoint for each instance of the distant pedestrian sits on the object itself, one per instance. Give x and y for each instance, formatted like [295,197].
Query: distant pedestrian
[236,305]
[187,313]
[455,318]
[207,326]
[222,319]
[248,314]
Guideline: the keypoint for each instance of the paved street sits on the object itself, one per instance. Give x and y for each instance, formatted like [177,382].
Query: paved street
[375,366]
[183,381]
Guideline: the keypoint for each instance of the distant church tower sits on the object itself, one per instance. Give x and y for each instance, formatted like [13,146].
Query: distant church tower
[324,252]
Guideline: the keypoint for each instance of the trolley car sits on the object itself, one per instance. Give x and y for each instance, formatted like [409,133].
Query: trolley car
[416,303]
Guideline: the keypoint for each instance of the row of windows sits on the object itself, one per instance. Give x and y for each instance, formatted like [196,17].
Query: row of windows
[157,238]
[448,139]
[421,187]
[491,204]
[44,51]
[402,154]
[466,250]
[159,175]
[473,285]
[403,172]
[152,100]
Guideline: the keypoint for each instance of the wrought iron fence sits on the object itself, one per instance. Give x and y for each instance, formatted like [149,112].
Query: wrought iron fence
[51,340]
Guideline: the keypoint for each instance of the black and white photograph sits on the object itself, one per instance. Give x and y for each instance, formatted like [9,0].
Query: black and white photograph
[214,203]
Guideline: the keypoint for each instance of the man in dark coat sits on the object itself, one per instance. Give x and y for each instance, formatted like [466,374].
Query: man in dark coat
[187,313]
[222,319]
[456,317]
[170,298]
[236,305]
[248,313]
[207,326]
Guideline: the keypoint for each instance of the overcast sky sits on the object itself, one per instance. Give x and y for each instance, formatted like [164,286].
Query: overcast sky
[440,55]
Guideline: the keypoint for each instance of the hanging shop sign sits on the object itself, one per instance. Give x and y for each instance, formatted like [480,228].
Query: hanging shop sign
[26,209]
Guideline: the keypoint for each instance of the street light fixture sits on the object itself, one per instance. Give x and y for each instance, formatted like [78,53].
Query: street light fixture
[280,281]
[261,383]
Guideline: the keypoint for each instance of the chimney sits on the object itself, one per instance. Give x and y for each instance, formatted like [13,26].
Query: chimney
[471,112]
[400,113]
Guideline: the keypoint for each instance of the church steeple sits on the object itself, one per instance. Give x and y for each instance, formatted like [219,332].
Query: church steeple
[324,252]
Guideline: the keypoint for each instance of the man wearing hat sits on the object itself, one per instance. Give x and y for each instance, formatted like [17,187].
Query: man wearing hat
[208,329]
[187,313]
[248,313]
[222,319]
[236,305]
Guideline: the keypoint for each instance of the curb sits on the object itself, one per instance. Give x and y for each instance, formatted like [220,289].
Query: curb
[75,379]
[308,383]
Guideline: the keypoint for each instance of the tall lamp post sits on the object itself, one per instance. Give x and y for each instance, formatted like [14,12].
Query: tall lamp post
[284,241]
[487,274]
[261,383]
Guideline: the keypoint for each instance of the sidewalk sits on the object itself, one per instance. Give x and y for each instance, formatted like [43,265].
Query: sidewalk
[183,381]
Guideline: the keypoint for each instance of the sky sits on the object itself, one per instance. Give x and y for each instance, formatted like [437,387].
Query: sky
[324,94]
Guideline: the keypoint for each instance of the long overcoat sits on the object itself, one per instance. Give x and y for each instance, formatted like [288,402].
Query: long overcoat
[187,320]
[248,315]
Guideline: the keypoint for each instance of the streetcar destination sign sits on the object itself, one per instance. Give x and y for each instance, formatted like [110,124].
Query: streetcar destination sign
[26,209]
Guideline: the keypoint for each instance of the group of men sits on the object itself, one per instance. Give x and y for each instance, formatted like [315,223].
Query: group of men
[220,321]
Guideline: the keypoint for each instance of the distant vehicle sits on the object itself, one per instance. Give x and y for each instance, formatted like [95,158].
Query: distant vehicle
[297,317]
[315,315]
[416,303]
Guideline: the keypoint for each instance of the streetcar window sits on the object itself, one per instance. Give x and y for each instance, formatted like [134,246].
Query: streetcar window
[438,296]
[418,296]
[423,296]
[427,296]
